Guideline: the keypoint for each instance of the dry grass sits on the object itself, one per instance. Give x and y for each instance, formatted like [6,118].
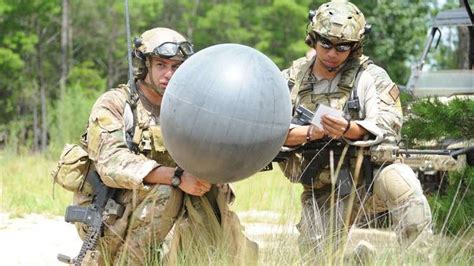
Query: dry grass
[268,205]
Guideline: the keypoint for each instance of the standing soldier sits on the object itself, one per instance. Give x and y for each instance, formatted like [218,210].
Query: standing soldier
[125,144]
[336,76]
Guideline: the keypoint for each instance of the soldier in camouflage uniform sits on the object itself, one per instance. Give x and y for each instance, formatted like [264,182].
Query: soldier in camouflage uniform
[125,144]
[336,74]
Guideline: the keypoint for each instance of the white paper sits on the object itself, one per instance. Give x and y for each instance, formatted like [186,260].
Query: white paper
[322,110]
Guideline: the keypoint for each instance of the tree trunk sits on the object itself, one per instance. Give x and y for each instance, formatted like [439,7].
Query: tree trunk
[463,49]
[465,35]
[70,53]
[64,49]
[190,26]
[44,119]
[111,77]
[36,129]
[42,90]
[471,47]
[65,61]
[113,70]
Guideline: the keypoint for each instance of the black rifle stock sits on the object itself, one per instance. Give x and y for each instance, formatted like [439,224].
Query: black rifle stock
[102,206]
[303,116]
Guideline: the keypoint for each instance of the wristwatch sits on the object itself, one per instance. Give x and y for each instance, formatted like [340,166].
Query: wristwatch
[176,179]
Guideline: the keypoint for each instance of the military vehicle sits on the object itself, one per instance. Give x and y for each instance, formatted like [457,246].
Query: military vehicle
[444,85]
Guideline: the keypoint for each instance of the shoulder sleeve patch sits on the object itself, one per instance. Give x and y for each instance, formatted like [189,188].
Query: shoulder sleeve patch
[394,92]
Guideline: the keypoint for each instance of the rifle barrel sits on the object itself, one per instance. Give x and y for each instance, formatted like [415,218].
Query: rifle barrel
[452,153]
[413,151]
[462,151]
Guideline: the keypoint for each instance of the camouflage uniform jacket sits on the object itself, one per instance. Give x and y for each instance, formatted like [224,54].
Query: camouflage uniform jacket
[309,91]
[390,116]
[116,164]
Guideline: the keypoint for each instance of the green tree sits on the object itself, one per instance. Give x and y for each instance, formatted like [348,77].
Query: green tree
[85,84]
[398,33]
[26,42]
[433,120]
[30,44]
[282,31]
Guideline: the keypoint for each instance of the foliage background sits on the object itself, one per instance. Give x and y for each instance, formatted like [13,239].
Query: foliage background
[38,112]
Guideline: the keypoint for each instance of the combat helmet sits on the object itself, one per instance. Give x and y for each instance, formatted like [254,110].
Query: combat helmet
[162,42]
[338,21]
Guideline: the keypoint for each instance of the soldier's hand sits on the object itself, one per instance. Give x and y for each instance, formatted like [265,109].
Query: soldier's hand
[299,135]
[333,126]
[193,185]
[316,133]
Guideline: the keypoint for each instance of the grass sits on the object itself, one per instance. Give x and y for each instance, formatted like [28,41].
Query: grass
[26,187]
[267,191]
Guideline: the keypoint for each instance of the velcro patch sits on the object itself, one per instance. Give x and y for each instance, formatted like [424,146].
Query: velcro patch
[394,92]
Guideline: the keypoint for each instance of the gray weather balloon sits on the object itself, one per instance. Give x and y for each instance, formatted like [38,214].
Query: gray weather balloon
[225,113]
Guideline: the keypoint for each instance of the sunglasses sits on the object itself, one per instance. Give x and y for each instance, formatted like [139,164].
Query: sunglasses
[328,45]
[170,49]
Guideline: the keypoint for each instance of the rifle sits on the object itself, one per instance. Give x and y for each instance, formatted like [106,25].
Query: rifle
[94,215]
[316,153]
[426,161]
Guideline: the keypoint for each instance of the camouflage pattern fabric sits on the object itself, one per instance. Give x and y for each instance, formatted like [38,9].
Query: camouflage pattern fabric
[310,91]
[199,227]
[339,21]
[136,237]
[397,188]
[391,116]
[150,210]
[117,166]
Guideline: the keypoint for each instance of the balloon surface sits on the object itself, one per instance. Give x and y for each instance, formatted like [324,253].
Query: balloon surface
[225,113]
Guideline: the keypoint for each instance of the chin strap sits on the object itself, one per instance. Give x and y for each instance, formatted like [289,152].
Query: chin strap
[335,69]
[152,85]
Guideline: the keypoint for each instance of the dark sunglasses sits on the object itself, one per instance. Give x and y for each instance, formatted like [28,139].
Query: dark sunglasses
[328,45]
[170,49]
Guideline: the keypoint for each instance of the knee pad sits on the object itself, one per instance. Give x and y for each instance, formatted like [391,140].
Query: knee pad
[397,183]
[412,220]
[401,191]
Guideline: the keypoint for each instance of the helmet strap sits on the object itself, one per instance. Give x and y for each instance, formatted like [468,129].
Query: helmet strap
[335,69]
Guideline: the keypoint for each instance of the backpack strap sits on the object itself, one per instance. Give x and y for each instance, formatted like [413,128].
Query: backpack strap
[347,83]
[299,70]
[349,75]
[131,106]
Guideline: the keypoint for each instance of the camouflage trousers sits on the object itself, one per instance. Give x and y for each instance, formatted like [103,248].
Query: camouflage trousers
[209,233]
[160,226]
[137,236]
[395,189]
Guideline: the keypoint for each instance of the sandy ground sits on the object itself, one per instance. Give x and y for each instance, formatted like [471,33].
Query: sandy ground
[36,239]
